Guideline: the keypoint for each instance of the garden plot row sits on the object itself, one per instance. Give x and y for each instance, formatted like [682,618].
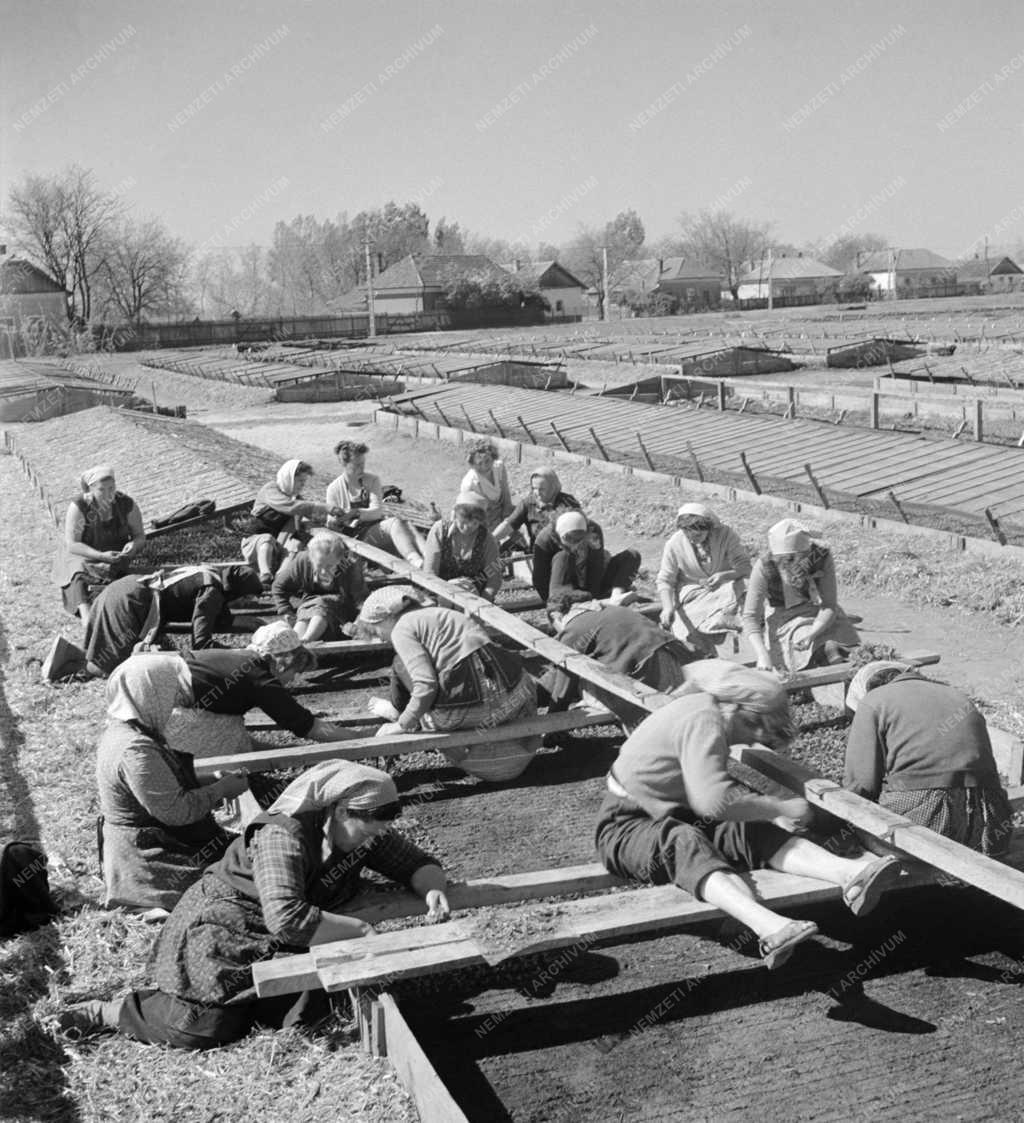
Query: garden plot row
[35,391]
[162,463]
[969,478]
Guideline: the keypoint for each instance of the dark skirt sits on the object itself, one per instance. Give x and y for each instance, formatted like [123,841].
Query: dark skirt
[117,622]
[335,609]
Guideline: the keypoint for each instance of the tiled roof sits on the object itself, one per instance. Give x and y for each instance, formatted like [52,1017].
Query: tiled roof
[978,269]
[790,269]
[878,262]
[644,274]
[161,462]
[419,271]
[18,277]
[534,271]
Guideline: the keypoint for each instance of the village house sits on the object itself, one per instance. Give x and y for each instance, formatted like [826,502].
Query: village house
[565,293]
[913,272]
[31,304]
[796,277]
[417,282]
[691,286]
[984,275]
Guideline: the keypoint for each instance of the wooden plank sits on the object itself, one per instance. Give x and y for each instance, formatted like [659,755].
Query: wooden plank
[433,1101]
[374,907]
[976,869]
[360,748]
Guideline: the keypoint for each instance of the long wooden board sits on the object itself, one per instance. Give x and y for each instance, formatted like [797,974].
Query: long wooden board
[360,748]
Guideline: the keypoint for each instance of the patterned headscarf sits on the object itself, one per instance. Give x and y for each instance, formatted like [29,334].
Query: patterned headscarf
[94,474]
[387,601]
[145,688]
[551,476]
[276,638]
[356,787]
[866,679]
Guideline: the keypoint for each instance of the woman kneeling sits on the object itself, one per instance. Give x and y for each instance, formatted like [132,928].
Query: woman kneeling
[278,888]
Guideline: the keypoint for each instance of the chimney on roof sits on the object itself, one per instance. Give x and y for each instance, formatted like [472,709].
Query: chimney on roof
[3,250]
[380,263]
[661,266]
[517,264]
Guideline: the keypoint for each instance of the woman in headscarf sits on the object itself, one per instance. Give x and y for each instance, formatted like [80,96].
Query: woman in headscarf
[224,684]
[540,508]
[276,525]
[280,888]
[359,495]
[701,579]
[156,829]
[582,570]
[794,584]
[102,535]
[488,478]
[673,814]
[448,675]
[922,749]
[320,588]
[463,551]
[133,610]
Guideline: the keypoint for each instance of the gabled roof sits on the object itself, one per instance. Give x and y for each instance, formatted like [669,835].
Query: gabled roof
[18,277]
[422,271]
[978,269]
[644,274]
[540,271]
[790,269]
[878,261]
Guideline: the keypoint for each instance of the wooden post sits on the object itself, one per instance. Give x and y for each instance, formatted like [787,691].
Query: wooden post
[643,449]
[525,428]
[960,428]
[497,424]
[469,420]
[750,474]
[896,504]
[839,419]
[554,429]
[153,388]
[597,441]
[444,418]
[979,429]
[699,472]
[817,487]
[997,530]
[874,409]
[744,404]
[721,394]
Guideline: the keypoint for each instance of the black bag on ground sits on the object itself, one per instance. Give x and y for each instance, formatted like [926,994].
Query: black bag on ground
[200,509]
[391,493]
[25,901]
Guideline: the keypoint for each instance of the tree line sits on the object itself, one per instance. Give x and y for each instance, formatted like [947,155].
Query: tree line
[119,267]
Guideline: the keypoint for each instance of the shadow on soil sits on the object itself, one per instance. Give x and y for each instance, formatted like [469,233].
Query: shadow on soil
[32,1081]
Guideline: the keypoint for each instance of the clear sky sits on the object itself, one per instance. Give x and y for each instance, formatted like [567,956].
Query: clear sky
[526,118]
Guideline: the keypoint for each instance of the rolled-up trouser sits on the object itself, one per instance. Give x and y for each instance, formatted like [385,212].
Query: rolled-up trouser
[394,535]
[158,1018]
[684,851]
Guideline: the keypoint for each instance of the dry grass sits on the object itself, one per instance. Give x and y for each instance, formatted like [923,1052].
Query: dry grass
[47,791]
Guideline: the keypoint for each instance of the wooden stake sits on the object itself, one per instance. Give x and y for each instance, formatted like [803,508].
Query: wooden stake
[643,449]
[875,397]
[960,428]
[997,530]
[839,419]
[721,395]
[817,487]
[554,429]
[469,420]
[896,504]
[597,441]
[525,428]
[497,424]
[750,474]
[444,418]
[699,472]
[979,424]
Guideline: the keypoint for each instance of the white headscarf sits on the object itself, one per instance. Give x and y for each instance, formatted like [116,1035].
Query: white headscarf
[700,510]
[356,787]
[94,475]
[863,680]
[145,688]
[788,537]
[750,689]
[275,638]
[286,476]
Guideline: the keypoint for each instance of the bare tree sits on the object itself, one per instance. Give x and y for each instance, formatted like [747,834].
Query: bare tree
[845,252]
[725,243]
[59,221]
[142,270]
[622,238]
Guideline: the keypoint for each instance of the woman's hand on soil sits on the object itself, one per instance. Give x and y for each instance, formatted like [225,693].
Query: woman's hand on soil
[437,907]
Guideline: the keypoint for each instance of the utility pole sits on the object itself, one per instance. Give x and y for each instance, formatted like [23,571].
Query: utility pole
[893,251]
[771,301]
[372,325]
[604,282]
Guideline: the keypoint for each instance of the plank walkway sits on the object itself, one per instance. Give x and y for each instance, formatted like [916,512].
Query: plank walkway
[962,476]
